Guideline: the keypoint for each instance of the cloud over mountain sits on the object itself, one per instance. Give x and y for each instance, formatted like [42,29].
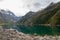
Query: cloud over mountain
[21,7]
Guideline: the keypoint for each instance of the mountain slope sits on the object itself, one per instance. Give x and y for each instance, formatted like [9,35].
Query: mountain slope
[7,16]
[55,20]
[49,15]
[26,17]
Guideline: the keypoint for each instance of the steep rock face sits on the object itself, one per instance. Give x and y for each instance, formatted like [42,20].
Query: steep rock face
[49,15]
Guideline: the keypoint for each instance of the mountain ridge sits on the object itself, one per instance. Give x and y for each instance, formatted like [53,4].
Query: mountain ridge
[7,16]
[43,16]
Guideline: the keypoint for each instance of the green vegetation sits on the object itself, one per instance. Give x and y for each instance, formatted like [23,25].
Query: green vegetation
[55,20]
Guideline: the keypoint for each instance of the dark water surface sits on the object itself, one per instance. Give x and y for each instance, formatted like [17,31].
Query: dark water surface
[40,30]
[36,29]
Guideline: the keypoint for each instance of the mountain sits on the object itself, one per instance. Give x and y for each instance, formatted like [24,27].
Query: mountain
[26,17]
[49,15]
[7,16]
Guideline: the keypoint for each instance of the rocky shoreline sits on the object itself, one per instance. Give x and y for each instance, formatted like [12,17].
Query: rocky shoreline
[13,34]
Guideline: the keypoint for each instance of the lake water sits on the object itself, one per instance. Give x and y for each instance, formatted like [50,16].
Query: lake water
[36,29]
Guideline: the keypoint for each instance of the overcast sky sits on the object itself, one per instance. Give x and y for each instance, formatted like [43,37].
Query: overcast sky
[21,7]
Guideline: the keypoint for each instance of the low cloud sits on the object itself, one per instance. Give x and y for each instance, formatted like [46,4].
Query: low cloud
[1,0]
[35,5]
[21,7]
